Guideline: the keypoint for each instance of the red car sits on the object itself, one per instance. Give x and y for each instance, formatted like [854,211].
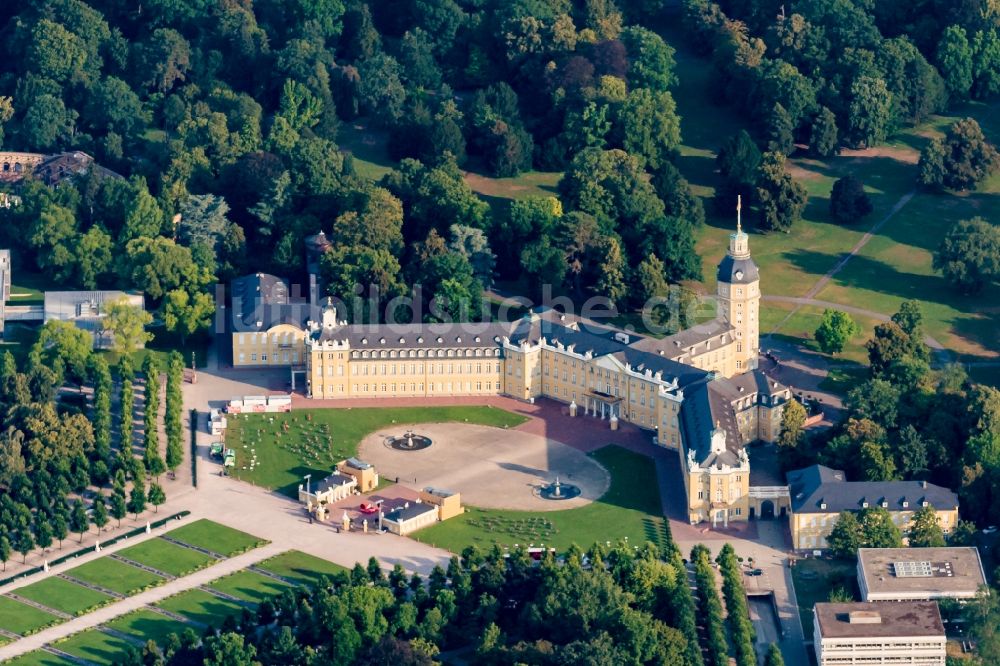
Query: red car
[367,508]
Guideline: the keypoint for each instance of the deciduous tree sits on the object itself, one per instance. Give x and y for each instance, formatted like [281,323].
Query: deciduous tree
[835,331]
[848,200]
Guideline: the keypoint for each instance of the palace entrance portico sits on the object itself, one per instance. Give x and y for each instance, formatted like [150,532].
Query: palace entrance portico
[601,404]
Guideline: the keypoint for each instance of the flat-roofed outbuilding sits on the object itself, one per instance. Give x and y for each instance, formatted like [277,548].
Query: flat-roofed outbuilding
[901,574]
[907,633]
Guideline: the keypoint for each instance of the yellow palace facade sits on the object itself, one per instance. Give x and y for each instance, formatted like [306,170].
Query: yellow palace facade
[697,391]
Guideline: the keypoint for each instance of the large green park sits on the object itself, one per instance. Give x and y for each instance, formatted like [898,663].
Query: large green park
[894,265]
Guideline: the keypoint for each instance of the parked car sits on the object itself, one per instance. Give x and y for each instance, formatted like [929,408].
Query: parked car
[755,572]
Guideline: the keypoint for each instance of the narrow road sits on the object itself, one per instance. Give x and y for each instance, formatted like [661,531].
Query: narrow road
[839,266]
[823,281]
[939,350]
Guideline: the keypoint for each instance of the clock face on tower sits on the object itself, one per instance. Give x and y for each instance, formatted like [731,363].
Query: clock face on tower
[739,275]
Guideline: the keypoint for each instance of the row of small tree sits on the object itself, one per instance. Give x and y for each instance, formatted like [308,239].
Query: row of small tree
[151,410]
[741,631]
[172,411]
[710,607]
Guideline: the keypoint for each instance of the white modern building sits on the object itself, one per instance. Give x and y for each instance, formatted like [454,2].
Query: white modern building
[919,574]
[86,309]
[410,518]
[906,633]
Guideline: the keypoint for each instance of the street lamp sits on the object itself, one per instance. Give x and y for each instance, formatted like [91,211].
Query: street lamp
[378,503]
[307,477]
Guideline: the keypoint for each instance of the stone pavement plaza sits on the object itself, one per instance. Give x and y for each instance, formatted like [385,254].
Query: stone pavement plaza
[491,467]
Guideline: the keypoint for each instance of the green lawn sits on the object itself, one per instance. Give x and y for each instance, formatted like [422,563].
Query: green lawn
[114,575]
[316,439]
[28,288]
[215,537]
[894,265]
[167,557]
[148,625]
[200,606]
[367,148]
[813,580]
[249,586]
[23,619]
[96,646]
[40,658]
[630,509]
[299,567]
[63,595]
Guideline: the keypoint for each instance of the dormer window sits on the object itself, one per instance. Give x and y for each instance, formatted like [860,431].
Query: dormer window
[420,340]
[885,505]
[906,504]
[864,505]
[822,505]
[364,341]
[381,340]
[440,339]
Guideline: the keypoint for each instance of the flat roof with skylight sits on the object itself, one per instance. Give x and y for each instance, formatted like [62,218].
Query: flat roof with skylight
[900,574]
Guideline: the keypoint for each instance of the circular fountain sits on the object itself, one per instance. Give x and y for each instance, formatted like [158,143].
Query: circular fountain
[408,442]
[557,490]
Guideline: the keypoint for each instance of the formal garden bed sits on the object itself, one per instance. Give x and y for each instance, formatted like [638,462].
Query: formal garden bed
[168,557]
[216,538]
[630,509]
[290,445]
[64,596]
[300,568]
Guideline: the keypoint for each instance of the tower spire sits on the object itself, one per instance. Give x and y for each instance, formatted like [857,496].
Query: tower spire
[739,205]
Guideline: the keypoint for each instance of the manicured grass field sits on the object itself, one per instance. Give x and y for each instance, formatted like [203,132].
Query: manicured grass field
[63,595]
[96,646]
[249,586]
[40,658]
[22,618]
[148,625]
[167,557]
[813,580]
[316,439]
[200,606]
[114,575]
[299,567]
[216,538]
[630,509]
[801,326]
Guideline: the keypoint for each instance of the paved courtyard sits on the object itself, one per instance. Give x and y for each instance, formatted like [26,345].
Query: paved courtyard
[491,467]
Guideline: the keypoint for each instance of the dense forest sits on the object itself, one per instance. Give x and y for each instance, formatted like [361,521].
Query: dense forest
[608,605]
[227,113]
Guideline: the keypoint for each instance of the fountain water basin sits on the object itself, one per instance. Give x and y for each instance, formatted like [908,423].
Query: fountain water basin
[408,441]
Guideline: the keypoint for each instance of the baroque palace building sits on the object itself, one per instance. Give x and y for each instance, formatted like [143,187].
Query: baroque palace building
[698,391]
